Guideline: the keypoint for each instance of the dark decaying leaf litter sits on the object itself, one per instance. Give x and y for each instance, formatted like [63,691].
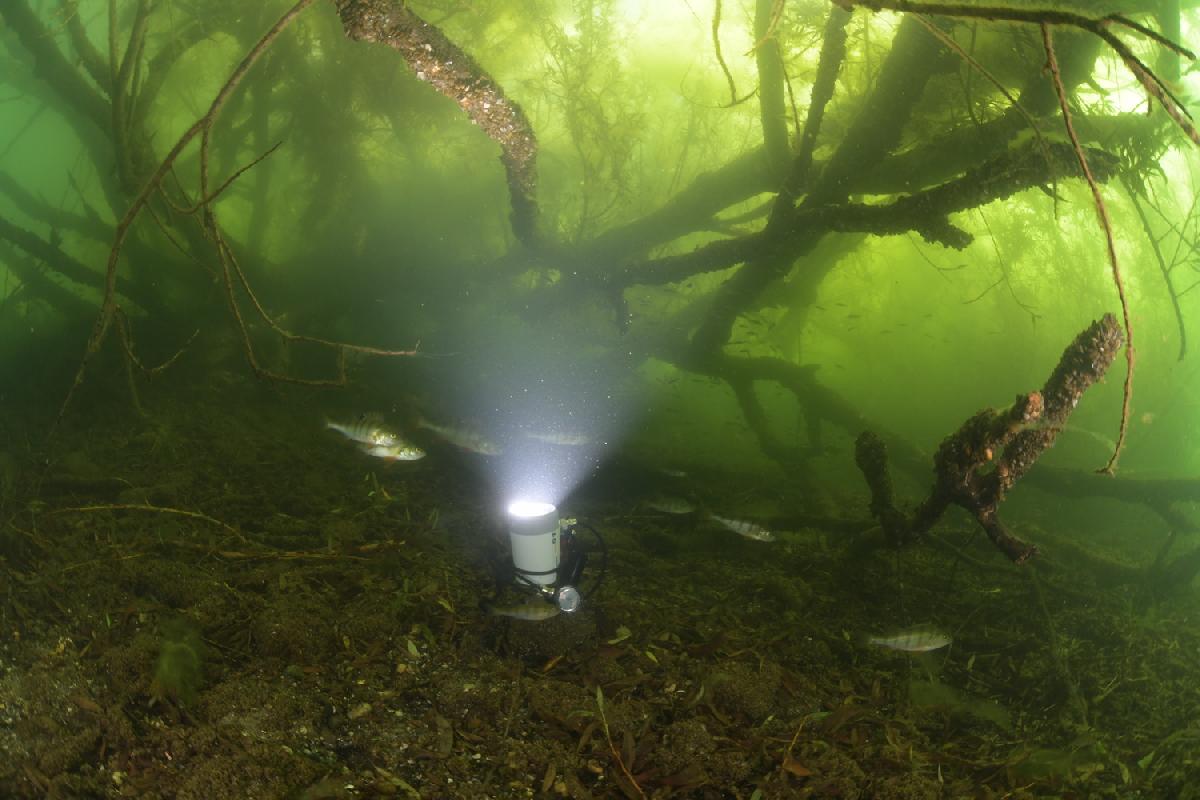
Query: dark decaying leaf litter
[311,627]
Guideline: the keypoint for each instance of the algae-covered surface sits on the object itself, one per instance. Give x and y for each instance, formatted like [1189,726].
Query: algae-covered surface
[226,601]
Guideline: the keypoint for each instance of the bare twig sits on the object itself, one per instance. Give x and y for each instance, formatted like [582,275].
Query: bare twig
[123,328]
[210,198]
[1097,26]
[1163,268]
[1110,243]
[153,509]
[716,40]
[109,306]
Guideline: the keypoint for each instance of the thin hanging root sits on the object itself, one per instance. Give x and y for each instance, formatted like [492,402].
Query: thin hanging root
[1110,243]
[716,39]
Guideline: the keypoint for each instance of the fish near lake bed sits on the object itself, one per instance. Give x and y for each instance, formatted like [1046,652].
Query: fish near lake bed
[749,530]
[463,437]
[375,439]
[531,611]
[402,451]
[915,640]
[670,504]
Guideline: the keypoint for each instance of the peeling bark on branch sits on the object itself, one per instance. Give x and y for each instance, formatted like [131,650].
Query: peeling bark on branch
[450,70]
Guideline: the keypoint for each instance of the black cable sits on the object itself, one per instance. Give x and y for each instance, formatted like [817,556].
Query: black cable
[603,559]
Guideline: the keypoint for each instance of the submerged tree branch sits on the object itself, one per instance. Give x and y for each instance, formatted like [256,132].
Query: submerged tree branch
[829,64]
[771,110]
[926,212]
[51,65]
[1097,26]
[109,307]
[35,284]
[876,130]
[450,70]
[977,465]
[73,270]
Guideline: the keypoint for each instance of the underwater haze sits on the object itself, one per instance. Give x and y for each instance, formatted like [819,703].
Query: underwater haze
[599,399]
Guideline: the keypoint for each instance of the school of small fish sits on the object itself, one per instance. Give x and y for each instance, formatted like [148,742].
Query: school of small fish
[671,504]
[375,439]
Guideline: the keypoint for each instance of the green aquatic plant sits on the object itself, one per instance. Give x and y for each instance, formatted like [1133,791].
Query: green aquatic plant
[179,670]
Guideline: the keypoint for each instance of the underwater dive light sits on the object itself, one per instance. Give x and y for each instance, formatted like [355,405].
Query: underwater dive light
[546,555]
[533,535]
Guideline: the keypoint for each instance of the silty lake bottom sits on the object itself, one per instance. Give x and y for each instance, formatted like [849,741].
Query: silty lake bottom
[228,601]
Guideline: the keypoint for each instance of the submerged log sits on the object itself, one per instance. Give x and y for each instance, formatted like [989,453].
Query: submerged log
[455,74]
[976,466]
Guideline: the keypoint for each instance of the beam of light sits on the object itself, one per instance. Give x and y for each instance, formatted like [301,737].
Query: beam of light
[553,395]
[561,429]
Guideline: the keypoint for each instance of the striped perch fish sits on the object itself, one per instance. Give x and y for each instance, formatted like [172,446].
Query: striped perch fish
[376,439]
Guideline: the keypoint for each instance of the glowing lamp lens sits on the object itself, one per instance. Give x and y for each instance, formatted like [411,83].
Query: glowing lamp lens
[527,509]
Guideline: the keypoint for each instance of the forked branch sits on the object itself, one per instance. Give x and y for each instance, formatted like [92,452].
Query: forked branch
[977,465]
